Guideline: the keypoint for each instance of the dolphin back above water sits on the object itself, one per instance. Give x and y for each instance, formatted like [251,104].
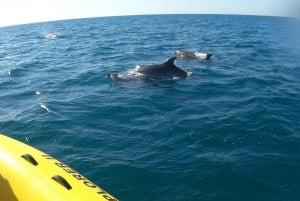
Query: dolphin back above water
[165,70]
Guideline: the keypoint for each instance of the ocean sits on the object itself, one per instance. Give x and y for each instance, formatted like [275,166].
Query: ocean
[228,132]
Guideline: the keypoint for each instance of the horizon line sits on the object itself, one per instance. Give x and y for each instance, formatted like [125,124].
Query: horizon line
[153,14]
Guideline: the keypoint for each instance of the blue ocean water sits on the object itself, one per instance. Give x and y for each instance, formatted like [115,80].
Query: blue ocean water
[230,131]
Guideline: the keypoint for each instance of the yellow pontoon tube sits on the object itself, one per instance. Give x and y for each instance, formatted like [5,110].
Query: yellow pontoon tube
[27,174]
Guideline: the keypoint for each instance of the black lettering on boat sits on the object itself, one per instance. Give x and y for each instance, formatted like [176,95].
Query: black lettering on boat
[101,192]
[107,197]
[79,177]
[89,184]
[61,165]
[70,170]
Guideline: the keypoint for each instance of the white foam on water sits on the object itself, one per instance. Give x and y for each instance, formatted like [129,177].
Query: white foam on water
[42,105]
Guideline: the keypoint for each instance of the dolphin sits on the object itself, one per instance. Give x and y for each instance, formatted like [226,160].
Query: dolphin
[51,35]
[165,70]
[192,55]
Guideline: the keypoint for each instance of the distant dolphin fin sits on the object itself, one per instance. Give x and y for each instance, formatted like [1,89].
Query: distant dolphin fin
[170,62]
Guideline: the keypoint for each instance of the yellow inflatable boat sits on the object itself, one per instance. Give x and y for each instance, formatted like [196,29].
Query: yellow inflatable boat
[27,174]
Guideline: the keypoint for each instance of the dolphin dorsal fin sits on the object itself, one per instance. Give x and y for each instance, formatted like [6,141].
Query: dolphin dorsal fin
[170,62]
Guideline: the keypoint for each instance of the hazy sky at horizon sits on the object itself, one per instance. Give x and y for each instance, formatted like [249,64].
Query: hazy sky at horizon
[27,11]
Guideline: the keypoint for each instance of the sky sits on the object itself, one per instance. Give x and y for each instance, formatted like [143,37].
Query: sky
[14,12]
